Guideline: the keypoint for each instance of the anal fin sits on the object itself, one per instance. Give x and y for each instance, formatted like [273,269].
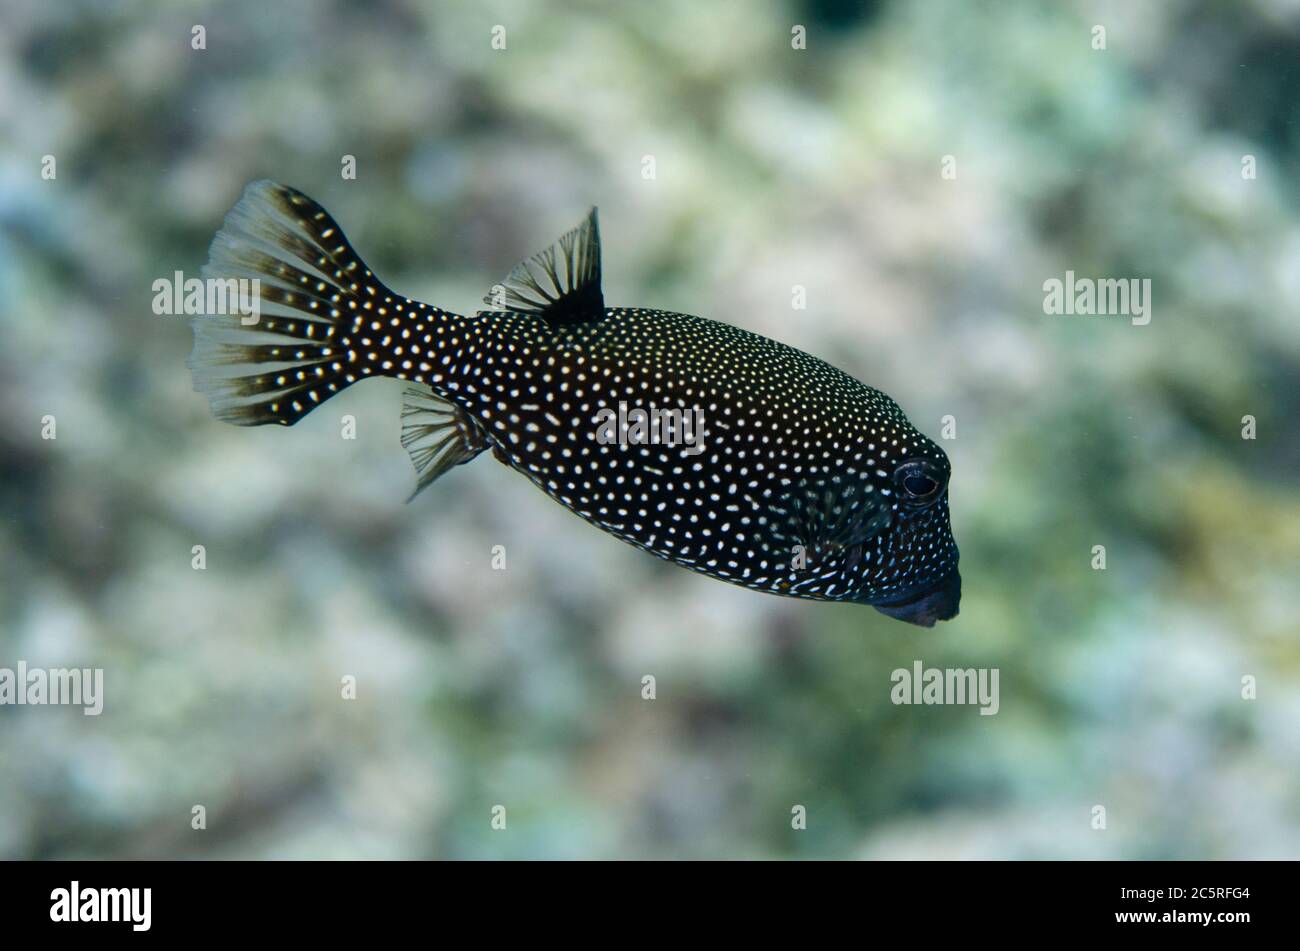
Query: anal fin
[437,435]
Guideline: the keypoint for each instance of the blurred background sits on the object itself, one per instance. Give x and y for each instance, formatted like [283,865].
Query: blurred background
[774,167]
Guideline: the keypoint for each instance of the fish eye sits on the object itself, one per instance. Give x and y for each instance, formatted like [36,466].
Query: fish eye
[921,480]
[920,486]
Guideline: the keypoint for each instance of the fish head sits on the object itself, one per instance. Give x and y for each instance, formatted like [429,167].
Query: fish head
[909,569]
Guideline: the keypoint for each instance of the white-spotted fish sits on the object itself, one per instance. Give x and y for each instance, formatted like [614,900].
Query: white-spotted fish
[801,482]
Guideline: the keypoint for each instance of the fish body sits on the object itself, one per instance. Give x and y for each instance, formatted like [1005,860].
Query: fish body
[718,449]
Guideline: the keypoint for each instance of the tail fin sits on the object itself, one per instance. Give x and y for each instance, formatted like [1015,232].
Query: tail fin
[312,287]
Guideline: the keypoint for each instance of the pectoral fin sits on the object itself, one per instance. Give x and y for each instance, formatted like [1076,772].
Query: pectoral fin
[827,517]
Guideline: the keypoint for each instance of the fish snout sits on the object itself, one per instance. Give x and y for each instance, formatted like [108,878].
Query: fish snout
[939,603]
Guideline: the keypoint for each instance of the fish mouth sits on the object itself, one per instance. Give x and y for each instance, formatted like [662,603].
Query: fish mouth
[936,603]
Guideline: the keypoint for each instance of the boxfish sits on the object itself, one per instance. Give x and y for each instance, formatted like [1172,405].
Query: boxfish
[715,448]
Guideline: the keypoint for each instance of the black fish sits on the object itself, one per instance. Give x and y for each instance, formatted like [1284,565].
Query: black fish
[723,451]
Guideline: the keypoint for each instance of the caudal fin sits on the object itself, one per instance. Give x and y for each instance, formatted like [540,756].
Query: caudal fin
[312,290]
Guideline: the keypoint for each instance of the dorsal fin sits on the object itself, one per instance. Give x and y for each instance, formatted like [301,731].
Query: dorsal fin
[561,284]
